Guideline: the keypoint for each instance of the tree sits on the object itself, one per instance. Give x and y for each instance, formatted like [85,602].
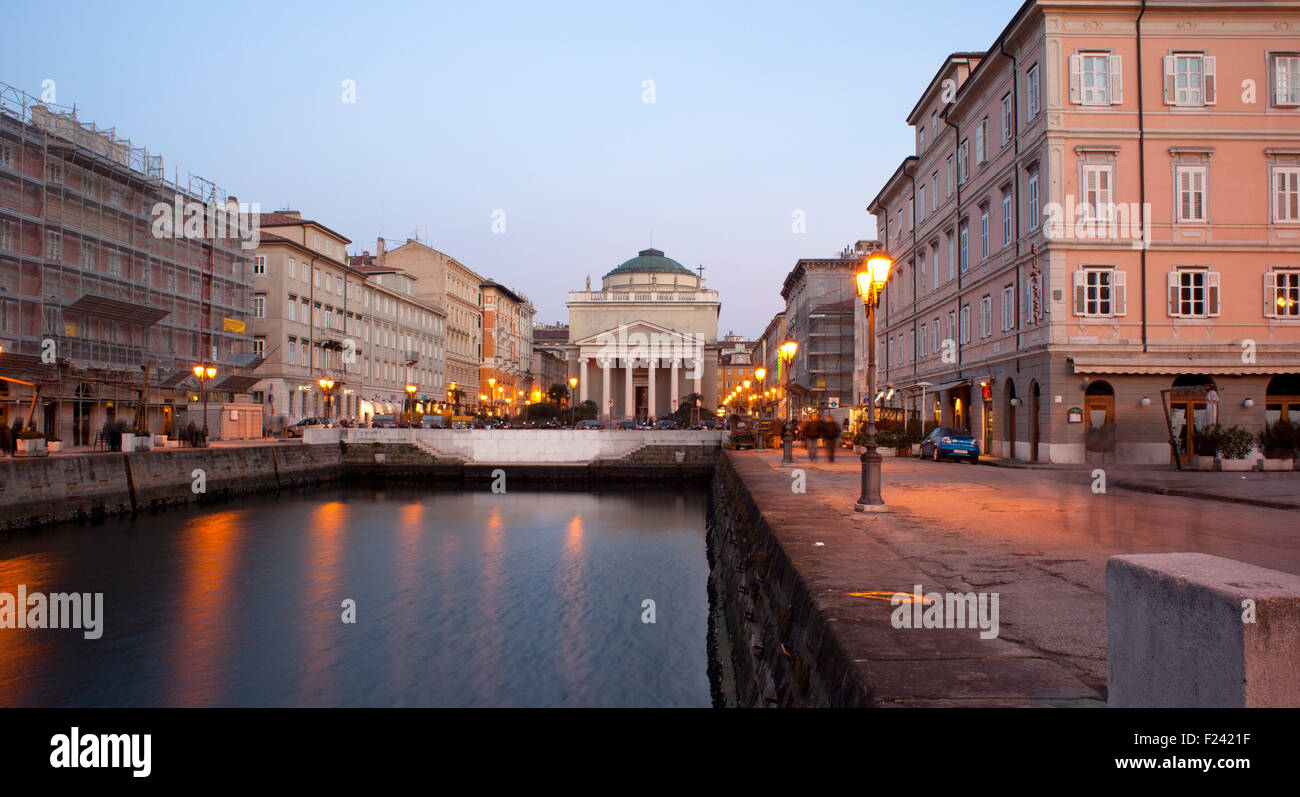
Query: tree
[543,410]
[586,411]
[557,393]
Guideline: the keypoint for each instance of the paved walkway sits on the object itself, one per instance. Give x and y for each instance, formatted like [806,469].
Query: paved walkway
[1038,537]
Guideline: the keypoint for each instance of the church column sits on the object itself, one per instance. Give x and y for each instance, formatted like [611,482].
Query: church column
[582,379]
[653,363]
[605,394]
[629,393]
[676,394]
[699,378]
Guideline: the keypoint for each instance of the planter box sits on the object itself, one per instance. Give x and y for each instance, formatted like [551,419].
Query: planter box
[903,451]
[53,446]
[1236,465]
[916,449]
[1203,463]
[1277,464]
[143,442]
[31,448]
[128,443]
[160,441]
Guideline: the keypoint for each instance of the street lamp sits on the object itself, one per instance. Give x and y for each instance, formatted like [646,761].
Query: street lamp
[871,277]
[573,383]
[205,373]
[410,402]
[492,391]
[453,397]
[785,354]
[761,373]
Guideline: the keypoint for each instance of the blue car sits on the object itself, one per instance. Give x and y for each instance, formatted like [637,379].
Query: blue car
[953,443]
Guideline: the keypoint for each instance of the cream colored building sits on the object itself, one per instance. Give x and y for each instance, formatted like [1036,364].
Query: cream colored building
[507,344]
[315,315]
[444,281]
[645,340]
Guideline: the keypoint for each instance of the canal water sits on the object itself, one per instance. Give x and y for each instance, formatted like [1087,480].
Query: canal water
[462,599]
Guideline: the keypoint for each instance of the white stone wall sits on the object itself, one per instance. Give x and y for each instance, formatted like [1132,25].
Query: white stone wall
[519,445]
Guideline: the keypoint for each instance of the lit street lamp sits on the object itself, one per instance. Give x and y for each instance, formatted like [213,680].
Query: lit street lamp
[410,403]
[786,356]
[573,417]
[760,373]
[871,277]
[205,373]
[327,385]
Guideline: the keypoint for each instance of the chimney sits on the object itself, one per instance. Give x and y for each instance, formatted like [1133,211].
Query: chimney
[379,253]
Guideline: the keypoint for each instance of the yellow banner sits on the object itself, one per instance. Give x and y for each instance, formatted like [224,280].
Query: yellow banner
[234,325]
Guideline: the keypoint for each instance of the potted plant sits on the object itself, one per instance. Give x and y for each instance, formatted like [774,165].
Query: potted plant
[1279,442]
[131,440]
[1205,442]
[30,443]
[1235,445]
[53,443]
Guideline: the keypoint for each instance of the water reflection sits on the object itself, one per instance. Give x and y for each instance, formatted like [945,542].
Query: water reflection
[462,599]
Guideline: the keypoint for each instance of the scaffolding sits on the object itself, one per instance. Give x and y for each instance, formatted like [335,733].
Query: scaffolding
[89,291]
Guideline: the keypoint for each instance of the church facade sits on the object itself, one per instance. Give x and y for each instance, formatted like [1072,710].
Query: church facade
[645,341]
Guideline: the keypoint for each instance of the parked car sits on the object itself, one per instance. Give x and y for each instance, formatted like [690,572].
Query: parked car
[666,425]
[433,422]
[948,442]
[310,423]
[590,424]
[384,421]
[626,426]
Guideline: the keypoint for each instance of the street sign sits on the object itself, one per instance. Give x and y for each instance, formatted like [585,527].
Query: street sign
[833,402]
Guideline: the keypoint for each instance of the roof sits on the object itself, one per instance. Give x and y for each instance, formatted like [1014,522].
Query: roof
[293,220]
[651,261]
[509,293]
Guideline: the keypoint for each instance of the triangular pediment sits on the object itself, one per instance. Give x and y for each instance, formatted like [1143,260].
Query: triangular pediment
[624,331]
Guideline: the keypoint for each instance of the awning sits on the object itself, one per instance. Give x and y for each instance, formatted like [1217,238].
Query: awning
[237,383]
[117,309]
[1228,366]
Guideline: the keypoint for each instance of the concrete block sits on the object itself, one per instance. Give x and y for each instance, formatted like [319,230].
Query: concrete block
[1193,630]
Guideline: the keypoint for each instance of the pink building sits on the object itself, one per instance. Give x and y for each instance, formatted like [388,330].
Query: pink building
[1101,223]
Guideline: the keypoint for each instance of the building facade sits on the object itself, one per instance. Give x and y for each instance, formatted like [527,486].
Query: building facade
[819,294]
[646,340]
[102,283]
[735,365]
[507,367]
[1099,230]
[318,314]
[442,280]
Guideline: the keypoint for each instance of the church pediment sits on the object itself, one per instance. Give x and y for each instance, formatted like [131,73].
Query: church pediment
[628,331]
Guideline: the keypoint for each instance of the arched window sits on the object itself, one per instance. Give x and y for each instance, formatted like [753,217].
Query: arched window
[1282,399]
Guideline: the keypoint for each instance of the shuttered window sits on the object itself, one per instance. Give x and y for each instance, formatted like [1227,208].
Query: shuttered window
[1282,293]
[1099,292]
[1193,293]
[1286,194]
[1190,181]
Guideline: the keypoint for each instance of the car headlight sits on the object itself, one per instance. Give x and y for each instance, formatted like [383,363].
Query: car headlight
[946,440]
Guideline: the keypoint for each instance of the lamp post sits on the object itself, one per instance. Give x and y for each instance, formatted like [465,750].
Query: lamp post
[785,355]
[760,373]
[454,398]
[410,403]
[492,393]
[871,277]
[573,416]
[205,373]
[327,385]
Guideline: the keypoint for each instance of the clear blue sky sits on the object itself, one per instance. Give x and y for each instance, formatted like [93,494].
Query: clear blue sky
[532,108]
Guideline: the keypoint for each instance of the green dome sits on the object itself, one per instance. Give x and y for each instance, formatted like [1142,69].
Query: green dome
[651,261]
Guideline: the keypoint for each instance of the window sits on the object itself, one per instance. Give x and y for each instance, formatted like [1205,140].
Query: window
[1190,181]
[54,173]
[934,258]
[951,328]
[1099,291]
[1006,218]
[1193,292]
[259,347]
[1033,199]
[114,264]
[965,323]
[963,244]
[1189,79]
[934,341]
[963,160]
[984,232]
[87,257]
[259,306]
[1286,194]
[1282,293]
[920,274]
[1008,307]
[1031,92]
[1286,80]
[316,277]
[53,245]
[1095,79]
[982,141]
[288,352]
[950,182]
[952,257]
[920,147]
[1008,119]
[293,307]
[934,121]
[920,351]
[1098,197]
[6,236]
[920,203]
[986,312]
[259,265]
[934,196]
[5,157]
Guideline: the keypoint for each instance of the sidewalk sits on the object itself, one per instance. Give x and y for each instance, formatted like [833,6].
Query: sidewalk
[1274,490]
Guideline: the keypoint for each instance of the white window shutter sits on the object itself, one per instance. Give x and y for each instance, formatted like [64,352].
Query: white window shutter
[1172,281]
[1279,93]
[1116,80]
[1270,294]
[1080,293]
[1169,80]
[1118,295]
[1076,71]
[1212,293]
[1211,94]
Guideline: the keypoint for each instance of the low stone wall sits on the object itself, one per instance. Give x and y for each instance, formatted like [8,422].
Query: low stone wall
[35,490]
[777,646]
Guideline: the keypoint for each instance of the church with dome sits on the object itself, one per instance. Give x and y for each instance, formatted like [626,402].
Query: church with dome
[644,340]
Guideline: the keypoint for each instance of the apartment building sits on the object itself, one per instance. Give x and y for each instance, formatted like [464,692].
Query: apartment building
[316,313]
[766,354]
[100,286]
[735,365]
[507,365]
[820,296]
[1097,240]
[442,280]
